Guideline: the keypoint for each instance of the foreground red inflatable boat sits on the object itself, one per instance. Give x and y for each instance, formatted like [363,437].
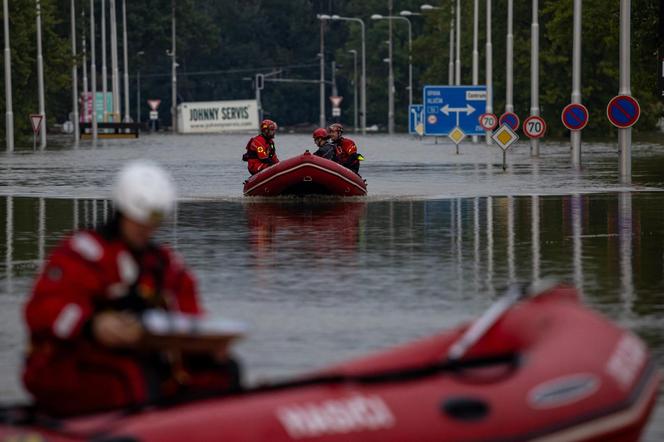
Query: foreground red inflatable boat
[544,369]
[305,174]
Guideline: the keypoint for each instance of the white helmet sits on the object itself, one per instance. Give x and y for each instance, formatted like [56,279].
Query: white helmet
[144,192]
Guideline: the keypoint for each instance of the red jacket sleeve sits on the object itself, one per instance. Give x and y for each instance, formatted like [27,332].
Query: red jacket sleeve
[180,282]
[62,298]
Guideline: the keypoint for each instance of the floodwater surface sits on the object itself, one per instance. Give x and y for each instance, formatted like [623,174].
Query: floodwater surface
[321,280]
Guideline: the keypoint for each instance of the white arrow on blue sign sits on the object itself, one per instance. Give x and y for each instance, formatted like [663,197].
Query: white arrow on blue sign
[415,118]
[447,107]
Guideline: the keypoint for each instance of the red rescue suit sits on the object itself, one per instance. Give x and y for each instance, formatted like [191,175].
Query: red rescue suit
[261,154]
[346,152]
[66,370]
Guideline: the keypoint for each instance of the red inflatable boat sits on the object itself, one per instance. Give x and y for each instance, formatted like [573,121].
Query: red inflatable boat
[305,174]
[543,369]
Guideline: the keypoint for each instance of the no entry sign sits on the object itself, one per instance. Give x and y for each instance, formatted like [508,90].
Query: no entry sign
[623,111]
[534,126]
[575,116]
[511,119]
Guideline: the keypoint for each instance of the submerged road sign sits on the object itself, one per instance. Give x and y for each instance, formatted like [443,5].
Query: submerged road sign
[416,119]
[511,119]
[575,116]
[534,126]
[623,111]
[447,107]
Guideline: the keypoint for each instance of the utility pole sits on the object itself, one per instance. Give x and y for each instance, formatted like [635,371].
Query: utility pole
[322,73]
[457,62]
[355,120]
[115,75]
[126,61]
[74,73]
[451,64]
[476,54]
[625,135]
[489,68]
[390,79]
[174,78]
[9,112]
[86,91]
[40,80]
[534,75]
[509,100]
[93,71]
[104,75]
[575,135]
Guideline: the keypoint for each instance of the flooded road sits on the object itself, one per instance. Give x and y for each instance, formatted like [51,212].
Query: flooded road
[436,241]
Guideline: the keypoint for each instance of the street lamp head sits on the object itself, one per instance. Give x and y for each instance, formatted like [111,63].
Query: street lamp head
[376,17]
[335,17]
[322,16]
[140,53]
[352,51]
[408,13]
[427,7]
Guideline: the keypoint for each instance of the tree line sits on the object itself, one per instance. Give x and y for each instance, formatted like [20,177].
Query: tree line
[222,45]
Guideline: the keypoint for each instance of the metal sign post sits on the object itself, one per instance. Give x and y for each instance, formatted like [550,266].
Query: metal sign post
[625,133]
[575,136]
[36,123]
[504,138]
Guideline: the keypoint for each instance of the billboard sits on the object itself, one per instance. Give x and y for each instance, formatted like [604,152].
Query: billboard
[218,116]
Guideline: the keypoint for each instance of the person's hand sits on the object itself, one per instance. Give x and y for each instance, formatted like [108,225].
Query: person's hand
[117,329]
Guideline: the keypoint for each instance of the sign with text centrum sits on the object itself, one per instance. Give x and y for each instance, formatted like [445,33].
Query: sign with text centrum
[218,116]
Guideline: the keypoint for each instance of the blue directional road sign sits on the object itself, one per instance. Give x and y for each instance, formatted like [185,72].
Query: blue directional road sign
[415,119]
[447,107]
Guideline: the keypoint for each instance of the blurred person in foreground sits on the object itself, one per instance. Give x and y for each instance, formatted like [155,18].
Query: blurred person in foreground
[346,149]
[261,151]
[87,348]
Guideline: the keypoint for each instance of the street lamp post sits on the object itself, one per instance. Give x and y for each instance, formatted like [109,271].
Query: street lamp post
[354,52]
[174,80]
[410,47]
[534,75]
[93,72]
[115,74]
[138,89]
[104,73]
[625,134]
[322,118]
[86,91]
[74,73]
[390,77]
[457,62]
[428,7]
[126,62]
[575,135]
[509,101]
[363,105]
[40,80]
[489,68]
[9,112]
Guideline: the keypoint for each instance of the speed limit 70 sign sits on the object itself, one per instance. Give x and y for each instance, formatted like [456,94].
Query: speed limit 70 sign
[488,121]
[534,127]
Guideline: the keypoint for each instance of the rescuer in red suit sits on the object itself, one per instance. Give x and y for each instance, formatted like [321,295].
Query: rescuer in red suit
[86,351]
[345,148]
[325,149]
[261,152]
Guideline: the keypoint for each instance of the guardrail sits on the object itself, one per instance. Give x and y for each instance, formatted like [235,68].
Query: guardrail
[110,130]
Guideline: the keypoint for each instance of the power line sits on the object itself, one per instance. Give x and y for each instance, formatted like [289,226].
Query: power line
[233,71]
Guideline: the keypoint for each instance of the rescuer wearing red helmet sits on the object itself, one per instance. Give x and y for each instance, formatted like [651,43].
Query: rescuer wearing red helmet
[86,350]
[325,148]
[346,150]
[261,152]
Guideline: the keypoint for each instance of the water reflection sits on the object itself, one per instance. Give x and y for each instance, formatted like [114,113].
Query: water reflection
[319,230]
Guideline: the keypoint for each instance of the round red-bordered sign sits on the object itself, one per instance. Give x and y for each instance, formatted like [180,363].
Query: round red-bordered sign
[488,121]
[574,116]
[511,119]
[534,126]
[623,111]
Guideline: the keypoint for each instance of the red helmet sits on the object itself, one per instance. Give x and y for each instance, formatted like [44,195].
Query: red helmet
[320,133]
[268,128]
[334,127]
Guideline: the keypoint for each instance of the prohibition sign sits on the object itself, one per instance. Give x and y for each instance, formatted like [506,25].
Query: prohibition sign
[511,119]
[575,116]
[488,121]
[623,111]
[534,126]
